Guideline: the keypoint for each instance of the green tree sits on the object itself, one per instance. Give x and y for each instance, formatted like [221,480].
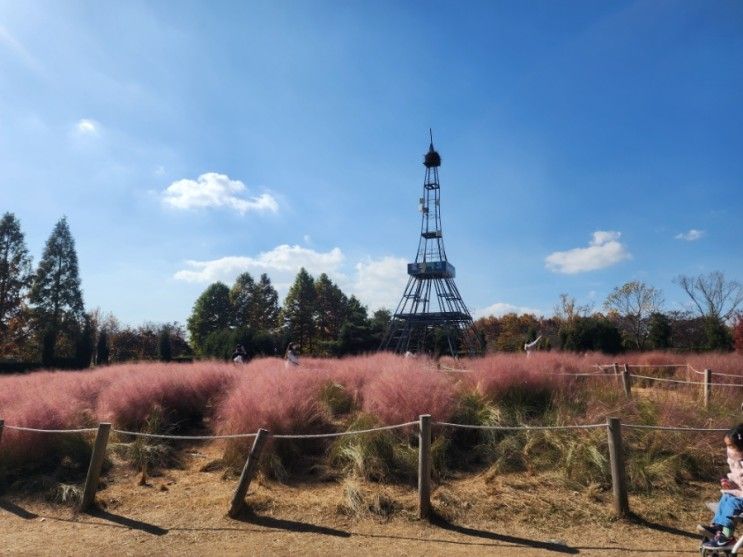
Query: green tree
[266,305]
[331,306]
[634,302]
[165,346]
[102,351]
[659,331]
[15,279]
[594,333]
[85,344]
[211,312]
[298,313]
[356,335]
[242,298]
[55,292]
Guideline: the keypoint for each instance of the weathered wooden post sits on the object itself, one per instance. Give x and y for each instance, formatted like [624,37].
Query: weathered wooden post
[627,383]
[615,368]
[424,467]
[96,462]
[707,386]
[249,470]
[2,426]
[616,459]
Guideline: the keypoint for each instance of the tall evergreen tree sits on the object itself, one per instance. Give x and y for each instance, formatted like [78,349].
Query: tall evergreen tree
[55,291]
[242,298]
[266,304]
[331,305]
[298,314]
[211,312]
[15,279]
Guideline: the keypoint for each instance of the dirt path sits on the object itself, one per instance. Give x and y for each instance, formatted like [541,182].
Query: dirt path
[184,513]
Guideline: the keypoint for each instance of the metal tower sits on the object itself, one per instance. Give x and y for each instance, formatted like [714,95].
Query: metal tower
[431,311]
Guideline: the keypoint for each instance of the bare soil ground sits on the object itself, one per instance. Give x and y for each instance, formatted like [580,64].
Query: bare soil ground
[183,512]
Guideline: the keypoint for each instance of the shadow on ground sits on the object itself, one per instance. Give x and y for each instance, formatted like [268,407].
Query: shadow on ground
[16,510]
[290,525]
[130,523]
[547,546]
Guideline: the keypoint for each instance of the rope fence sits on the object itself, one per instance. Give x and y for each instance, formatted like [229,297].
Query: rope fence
[613,426]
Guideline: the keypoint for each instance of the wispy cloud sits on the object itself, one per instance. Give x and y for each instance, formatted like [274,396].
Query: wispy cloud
[20,51]
[216,190]
[691,235]
[499,309]
[604,250]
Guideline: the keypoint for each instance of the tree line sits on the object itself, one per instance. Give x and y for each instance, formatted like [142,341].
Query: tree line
[632,319]
[316,314]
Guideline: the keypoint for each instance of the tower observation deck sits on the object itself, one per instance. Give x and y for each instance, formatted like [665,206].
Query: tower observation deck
[431,316]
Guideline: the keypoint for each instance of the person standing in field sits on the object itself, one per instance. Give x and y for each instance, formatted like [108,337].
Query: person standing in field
[239,355]
[292,355]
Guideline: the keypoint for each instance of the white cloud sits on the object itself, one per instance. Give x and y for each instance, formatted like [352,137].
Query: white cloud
[87,127]
[216,190]
[500,309]
[281,264]
[379,283]
[691,235]
[603,251]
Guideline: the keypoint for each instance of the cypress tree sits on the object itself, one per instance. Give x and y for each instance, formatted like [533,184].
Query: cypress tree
[15,279]
[298,314]
[55,291]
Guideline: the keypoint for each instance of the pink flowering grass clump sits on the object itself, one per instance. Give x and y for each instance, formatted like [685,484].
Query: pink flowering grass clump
[279,400]
[402,395]
[496,376]
[181,394]
[46,400]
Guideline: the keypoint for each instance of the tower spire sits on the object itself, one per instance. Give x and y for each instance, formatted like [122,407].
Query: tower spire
[431,310]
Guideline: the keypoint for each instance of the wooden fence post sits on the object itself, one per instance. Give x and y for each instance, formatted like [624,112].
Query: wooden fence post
[2,426]
[249,470]
[707,386]
[424,467]
[627,383]
[616,459]
[96,462]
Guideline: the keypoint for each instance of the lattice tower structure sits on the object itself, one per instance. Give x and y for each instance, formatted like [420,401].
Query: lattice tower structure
[431,311]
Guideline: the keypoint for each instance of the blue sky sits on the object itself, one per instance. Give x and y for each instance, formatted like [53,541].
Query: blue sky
[584,144]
